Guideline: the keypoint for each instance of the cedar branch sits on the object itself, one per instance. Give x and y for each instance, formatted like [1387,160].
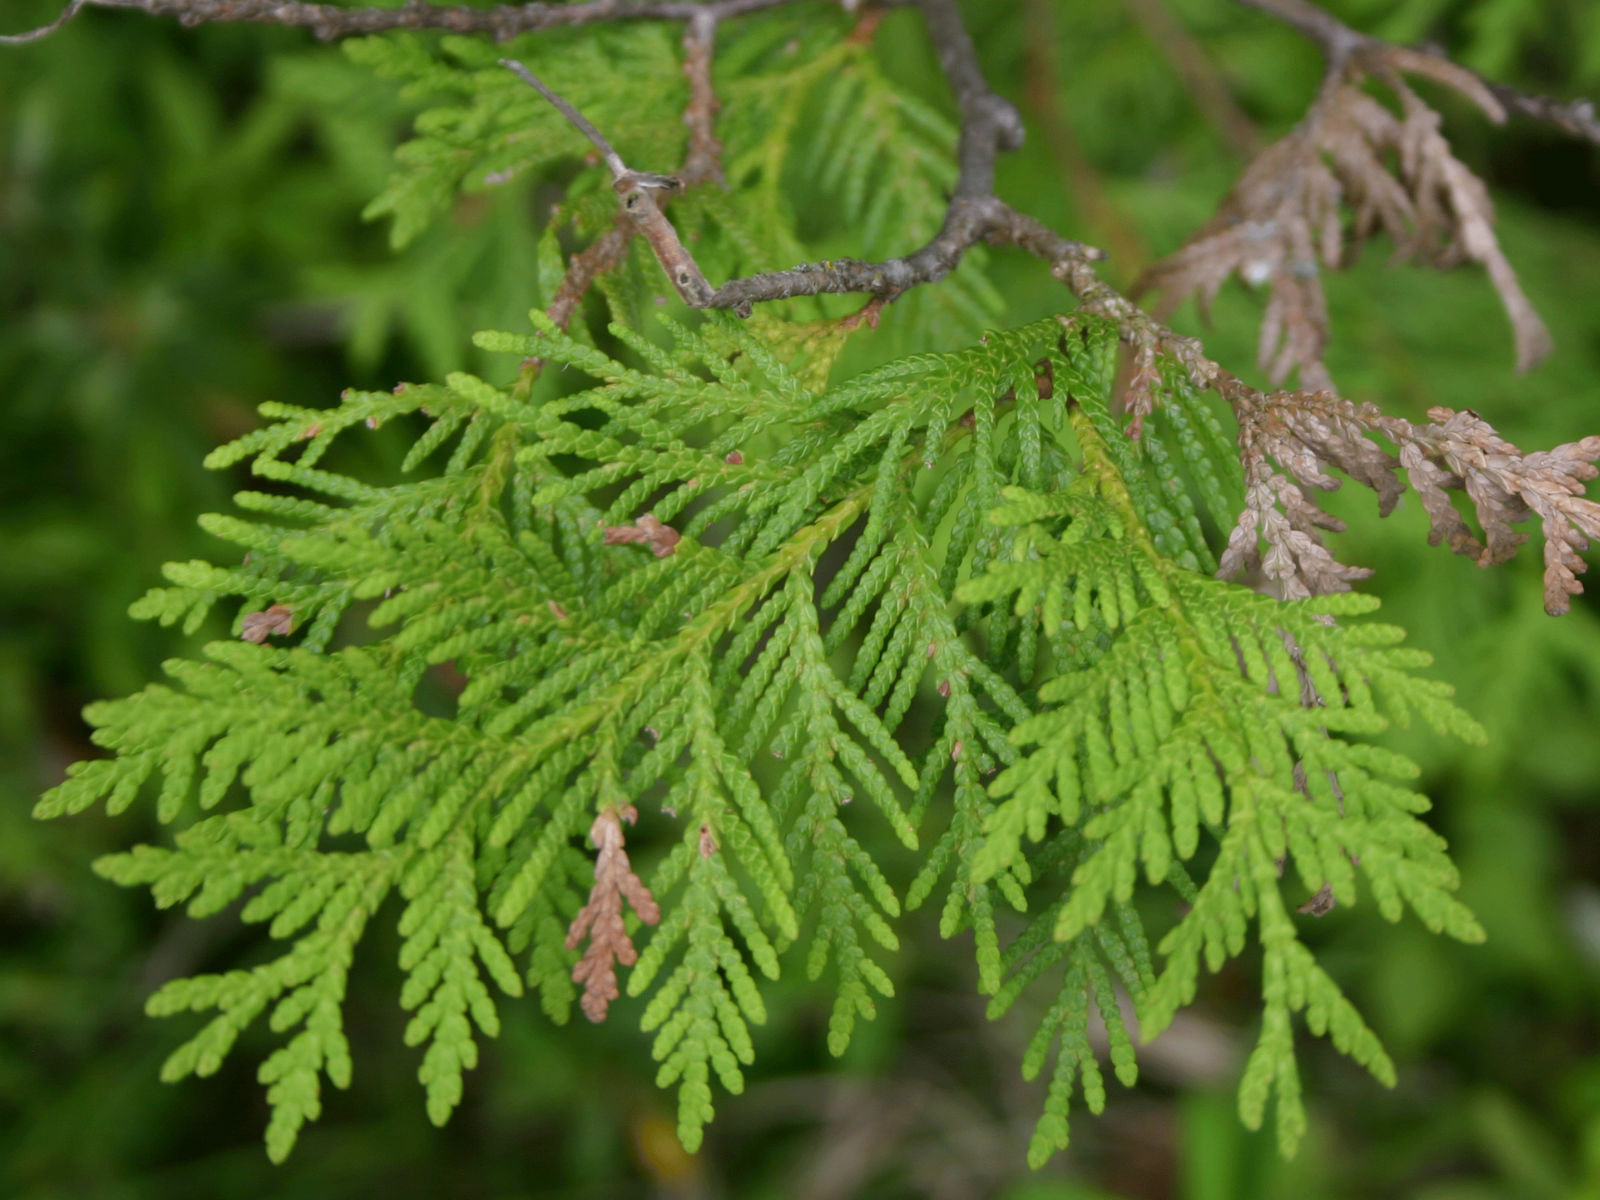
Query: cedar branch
[1303,431]
[329,21]
[989,124]
[1339,42]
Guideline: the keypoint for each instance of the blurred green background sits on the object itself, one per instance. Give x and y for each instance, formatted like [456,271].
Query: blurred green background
[180,239]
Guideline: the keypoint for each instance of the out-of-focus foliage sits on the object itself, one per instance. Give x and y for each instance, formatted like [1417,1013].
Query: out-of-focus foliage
[180,239]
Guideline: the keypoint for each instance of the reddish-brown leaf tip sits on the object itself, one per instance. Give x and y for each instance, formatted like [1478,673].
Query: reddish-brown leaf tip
[602,917]
[257,626]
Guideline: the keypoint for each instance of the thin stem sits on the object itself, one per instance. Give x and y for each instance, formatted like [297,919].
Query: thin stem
[330,21]
[1339,43]
[1199,75]
[1573,117]
[636,196]
[1041,92]
[579,121]
[704,159]
[33,35]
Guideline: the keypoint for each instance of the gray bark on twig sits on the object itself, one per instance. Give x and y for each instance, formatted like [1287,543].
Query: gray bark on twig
[1299,430]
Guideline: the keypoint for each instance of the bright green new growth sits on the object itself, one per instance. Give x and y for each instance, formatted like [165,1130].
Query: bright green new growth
[1202,705]
[950,587]
[1148,702]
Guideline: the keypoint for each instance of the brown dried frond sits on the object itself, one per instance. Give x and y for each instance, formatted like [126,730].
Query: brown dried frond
[1305,433]
[1321,904]
[661,538]
[257,626]
[1284,221]
[601,918]
[1506,487]
[1279,513]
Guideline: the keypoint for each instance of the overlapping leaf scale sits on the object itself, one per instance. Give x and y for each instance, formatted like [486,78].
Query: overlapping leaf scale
[445,938]
[305,988]
[490,124]
[599,675]
[703,1009]
[1210,708]
[318,590]
[824,771]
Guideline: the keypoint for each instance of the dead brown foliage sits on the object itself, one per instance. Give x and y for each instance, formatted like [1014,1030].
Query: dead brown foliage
[602,917]
[258,626]
[1306,433]
[662,539]
[1353,168]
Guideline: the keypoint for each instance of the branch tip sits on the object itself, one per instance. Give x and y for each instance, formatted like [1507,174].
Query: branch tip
[573,116]
[44,31]
[601,919]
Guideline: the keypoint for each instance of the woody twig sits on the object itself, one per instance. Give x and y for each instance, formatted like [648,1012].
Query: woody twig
[328,21]
[1282,216]
[989,124]
[1339,42]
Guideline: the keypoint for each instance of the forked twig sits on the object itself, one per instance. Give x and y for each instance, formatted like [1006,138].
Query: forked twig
[636,194]
[579,121]
[1339,42]
[989,124]
[1302,431]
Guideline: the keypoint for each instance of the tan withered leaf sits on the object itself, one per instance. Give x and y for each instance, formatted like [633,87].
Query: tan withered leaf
[1306,433]
[258,626]
[1301,433]
[1507,487]
[602,917]
[661,538]
[1284,222]
[1321,904]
